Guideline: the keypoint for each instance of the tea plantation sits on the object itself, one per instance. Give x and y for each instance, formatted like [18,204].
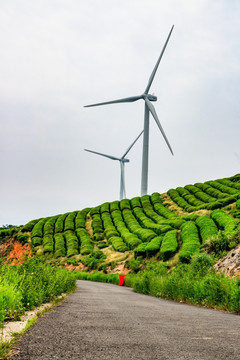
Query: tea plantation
[180,223]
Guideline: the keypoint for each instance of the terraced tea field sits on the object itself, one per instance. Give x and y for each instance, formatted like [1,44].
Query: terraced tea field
[182,221]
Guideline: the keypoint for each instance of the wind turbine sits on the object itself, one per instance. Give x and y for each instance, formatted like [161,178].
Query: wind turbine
[148,98]
[122,161]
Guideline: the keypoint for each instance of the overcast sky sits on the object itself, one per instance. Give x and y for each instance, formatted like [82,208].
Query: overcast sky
[57,56]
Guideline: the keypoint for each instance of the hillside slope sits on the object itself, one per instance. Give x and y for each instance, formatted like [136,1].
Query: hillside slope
[175,225]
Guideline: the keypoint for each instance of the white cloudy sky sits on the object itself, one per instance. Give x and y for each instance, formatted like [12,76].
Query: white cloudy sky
[57,56]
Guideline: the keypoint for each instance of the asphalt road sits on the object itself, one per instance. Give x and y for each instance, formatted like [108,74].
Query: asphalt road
[104,321]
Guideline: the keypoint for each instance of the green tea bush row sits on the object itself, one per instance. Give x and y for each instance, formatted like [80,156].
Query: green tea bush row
[191,199]
[149,210]
[125,204]
[59,224]
[133,225]
[49,226]
[69,223]
[109,228]
[190,241]
[48,244]
[181,202]
[129,238]
[153,246]
[169,245]
[114,206]
[210,190]
[207,228]
[38,228]
[160,208]
[224,222]
[71,243]
[141,250]
[199,194]
[60,247]
[85,240]
[105,208]
[29,226]
[97,227]
[80,218]
[118,244]
[223,188]
[230,183]
[147,223]
[95,210]
[135,202]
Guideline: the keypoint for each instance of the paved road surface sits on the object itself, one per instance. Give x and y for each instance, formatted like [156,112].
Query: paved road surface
[104,321]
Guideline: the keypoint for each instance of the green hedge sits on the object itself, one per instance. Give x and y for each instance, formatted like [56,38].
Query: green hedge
[190,241]
[224,222]
[59,224]
[207,228]
[118,244]
[153,246]
[48,244]
[59,241]
[169,245]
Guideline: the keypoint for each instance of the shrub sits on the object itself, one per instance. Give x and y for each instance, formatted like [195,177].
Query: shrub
[38,228]
[118,244]
[102,244]
[169,245]
[153,246]
[69,223]
[140,250]
[133,264]
[29,226]
[207,227]
[190,241]
[85,240]
[224,222]
[48,244]
[80,218]
[48,228]
[60,249]
[22,238]
[71,243]
[135,202]
[59,224]
[125,204]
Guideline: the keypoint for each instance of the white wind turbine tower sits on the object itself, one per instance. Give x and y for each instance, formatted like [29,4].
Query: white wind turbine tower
[122,161]
[148,98]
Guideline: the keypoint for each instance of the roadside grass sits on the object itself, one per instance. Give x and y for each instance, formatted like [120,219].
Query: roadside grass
[196,283]
[7,347]
[24,287]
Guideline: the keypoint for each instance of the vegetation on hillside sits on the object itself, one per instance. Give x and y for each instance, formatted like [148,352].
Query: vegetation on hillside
[162,238]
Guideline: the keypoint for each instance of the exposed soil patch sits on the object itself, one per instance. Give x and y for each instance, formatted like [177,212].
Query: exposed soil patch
[230,264]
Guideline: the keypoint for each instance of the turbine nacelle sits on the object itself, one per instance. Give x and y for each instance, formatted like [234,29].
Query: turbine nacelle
[150,97]
[124,160]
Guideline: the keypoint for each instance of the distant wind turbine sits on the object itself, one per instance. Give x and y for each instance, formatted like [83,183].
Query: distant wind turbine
[148,98]
[122,161]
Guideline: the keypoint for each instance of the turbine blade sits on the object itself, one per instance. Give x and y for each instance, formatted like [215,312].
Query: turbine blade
[132,145]
[156,66]
[128,99]
[107,156]
[154,114]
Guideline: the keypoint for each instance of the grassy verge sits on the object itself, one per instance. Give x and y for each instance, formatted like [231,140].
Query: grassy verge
[6,346]
[196,283]
[27,286]
[97,276]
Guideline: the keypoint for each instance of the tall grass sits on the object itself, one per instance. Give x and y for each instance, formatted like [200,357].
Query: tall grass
[29,285]
[195,283]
